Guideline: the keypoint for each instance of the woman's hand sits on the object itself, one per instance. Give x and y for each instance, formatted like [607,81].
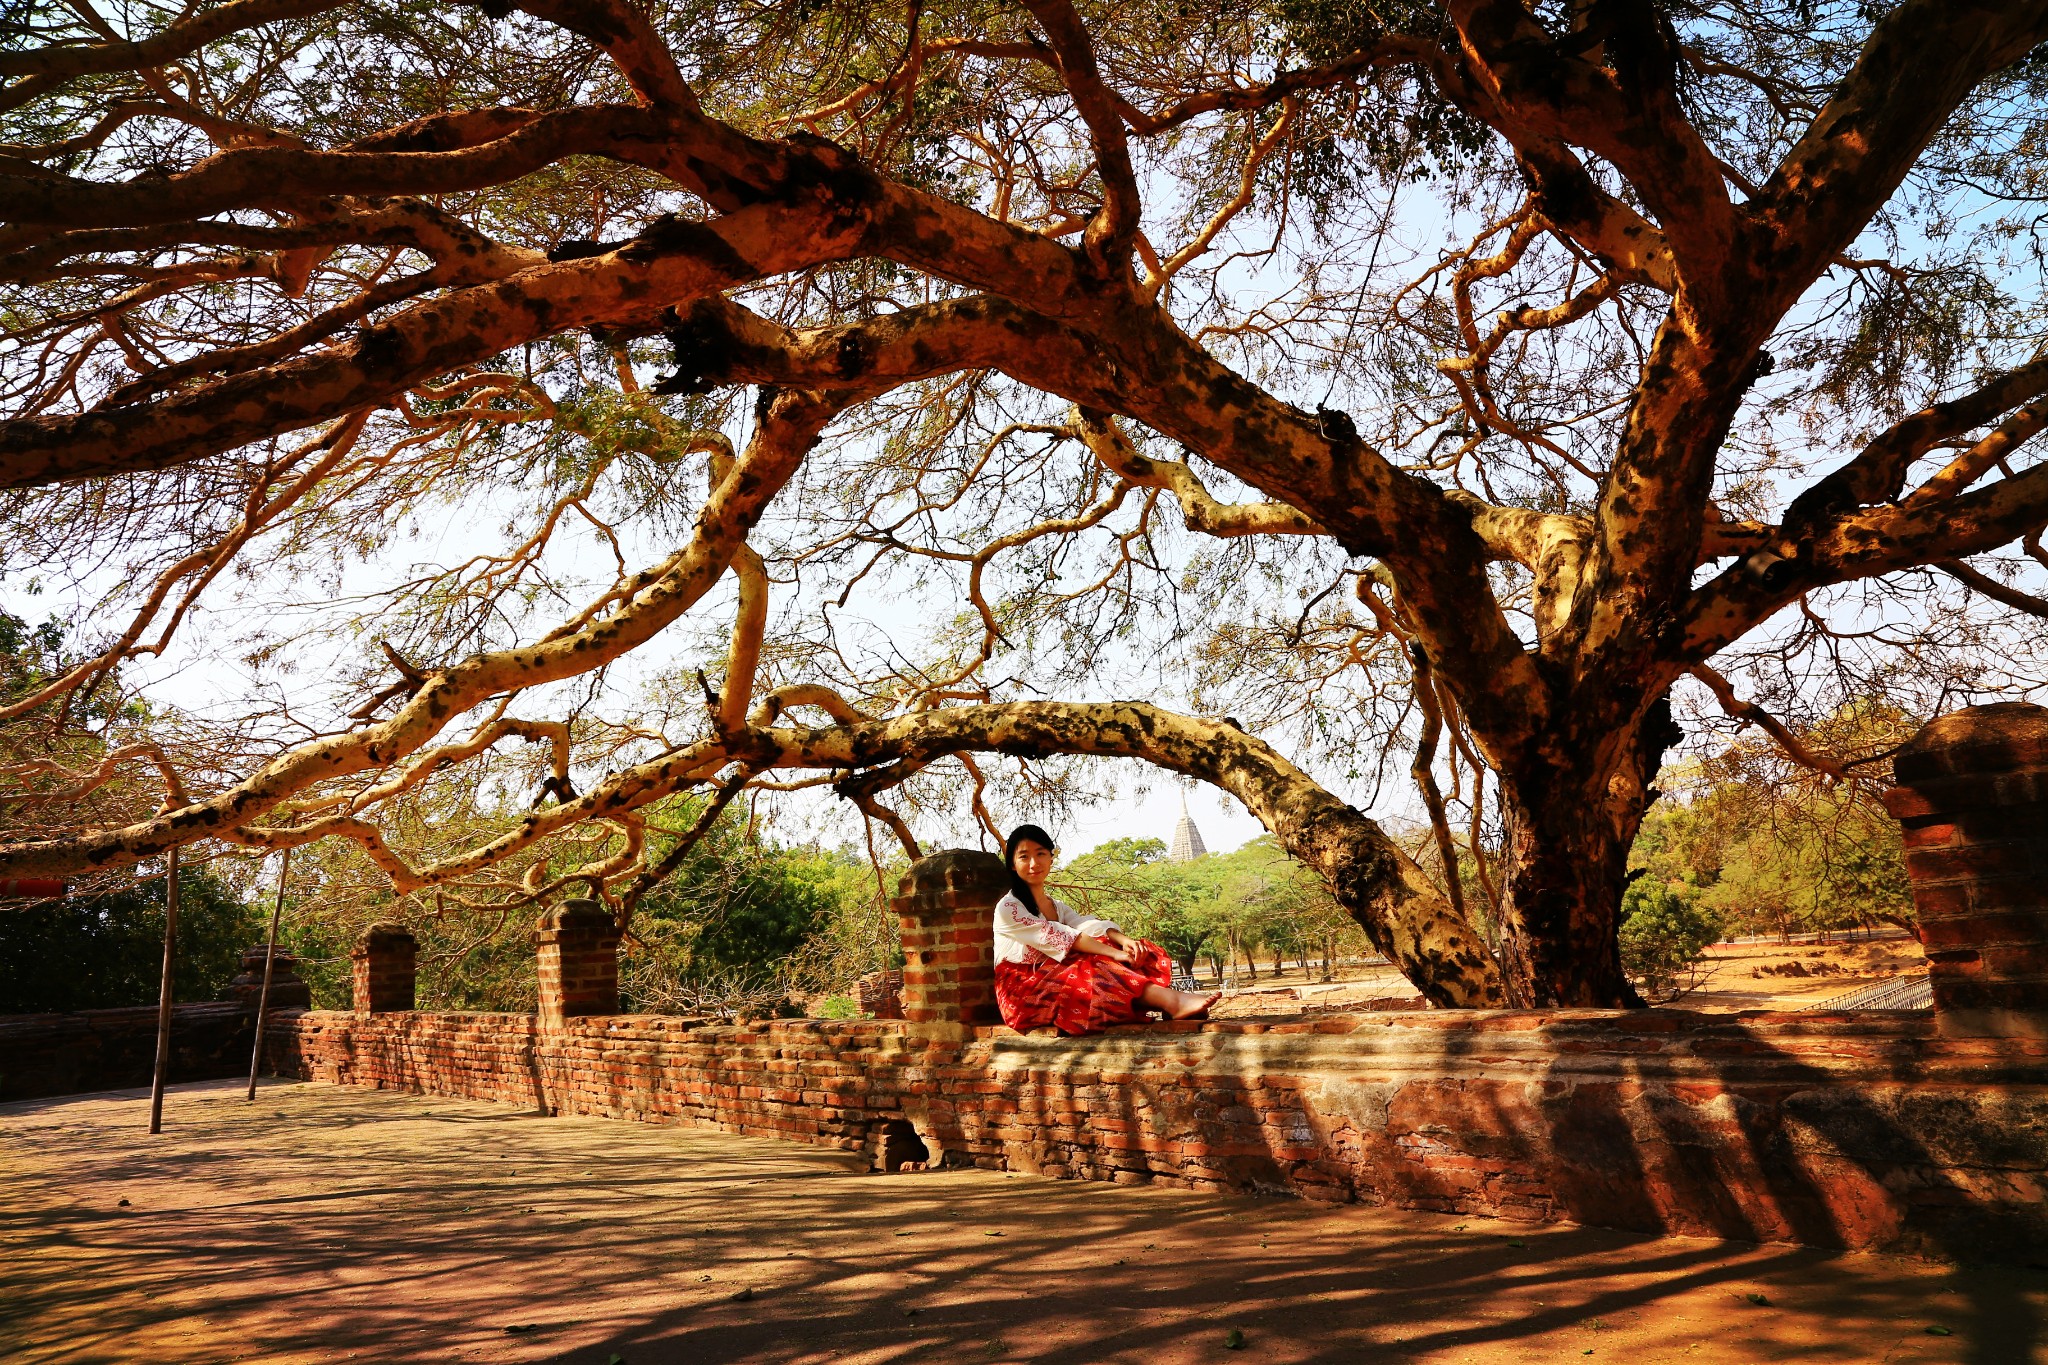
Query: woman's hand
[1088,943]
[1116,938]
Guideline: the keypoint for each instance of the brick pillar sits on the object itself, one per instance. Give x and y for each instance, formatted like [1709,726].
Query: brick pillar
[1973,796]
[578,943]
[384,960]
[287,991]
[945,904]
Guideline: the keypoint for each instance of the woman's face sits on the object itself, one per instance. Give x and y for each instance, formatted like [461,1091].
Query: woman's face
[1033,862]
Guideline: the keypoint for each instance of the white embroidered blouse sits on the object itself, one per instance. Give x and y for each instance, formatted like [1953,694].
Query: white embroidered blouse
[1020,930]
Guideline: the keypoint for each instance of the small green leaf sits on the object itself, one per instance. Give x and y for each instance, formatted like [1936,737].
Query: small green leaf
[991,1234]
[1233,1340]
[517,1328]
[744,1295]
[615,1359]
[1939,1331]
[1519,1246]
[1758,1300]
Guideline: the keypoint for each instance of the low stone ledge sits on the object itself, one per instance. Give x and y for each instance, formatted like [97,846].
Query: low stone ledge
[1826,1130]
[115,1049]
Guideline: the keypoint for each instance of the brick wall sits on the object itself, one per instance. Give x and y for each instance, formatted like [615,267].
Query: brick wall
[576,962]
[944,908]
[1973,801]
[384,963]
[70,1054]
[1861,1131]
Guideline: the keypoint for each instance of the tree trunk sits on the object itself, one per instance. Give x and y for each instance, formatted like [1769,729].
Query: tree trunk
[1565,871]
[1570,828]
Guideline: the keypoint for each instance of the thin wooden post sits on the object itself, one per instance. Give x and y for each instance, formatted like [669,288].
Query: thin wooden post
[163,1004]
[269,960]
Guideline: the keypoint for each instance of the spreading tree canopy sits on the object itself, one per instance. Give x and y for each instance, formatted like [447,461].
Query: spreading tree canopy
[552,407]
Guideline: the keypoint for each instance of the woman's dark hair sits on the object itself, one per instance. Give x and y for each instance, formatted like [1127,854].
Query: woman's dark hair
[1020,888]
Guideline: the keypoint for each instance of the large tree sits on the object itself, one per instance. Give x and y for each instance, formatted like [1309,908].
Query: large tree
[1539,352]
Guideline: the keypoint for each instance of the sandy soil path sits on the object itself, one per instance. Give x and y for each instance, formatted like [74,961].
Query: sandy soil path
[327,1224]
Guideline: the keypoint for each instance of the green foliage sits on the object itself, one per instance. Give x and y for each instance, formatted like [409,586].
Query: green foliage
[98,952]
[1768,848]
[1665,930]
[1221,907]
[1834,865]
[736,912]
[741,921]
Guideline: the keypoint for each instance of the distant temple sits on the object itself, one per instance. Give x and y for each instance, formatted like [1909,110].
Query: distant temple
[1187,840]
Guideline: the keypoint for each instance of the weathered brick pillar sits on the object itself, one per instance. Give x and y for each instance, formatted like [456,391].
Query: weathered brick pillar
[578,943]
[1973,796]
[944,904]
[385,959]
[287,991]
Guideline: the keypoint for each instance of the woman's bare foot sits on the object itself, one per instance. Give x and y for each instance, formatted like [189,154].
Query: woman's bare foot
[1191,1007]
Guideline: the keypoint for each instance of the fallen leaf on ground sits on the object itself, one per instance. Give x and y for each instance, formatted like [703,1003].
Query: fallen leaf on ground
[1233,1340]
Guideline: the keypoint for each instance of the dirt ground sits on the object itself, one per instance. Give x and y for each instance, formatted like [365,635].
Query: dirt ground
[1735,976]
[330,1224]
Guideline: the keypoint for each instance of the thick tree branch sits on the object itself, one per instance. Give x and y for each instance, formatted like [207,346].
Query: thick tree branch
[1143,367]
[1877,473]
[1198,507]
[1865,544]
[1921,61]
[1392,898]
[788,430]
[1542,96]
[678,262]
[1110,233]
[45,69]
[247,177]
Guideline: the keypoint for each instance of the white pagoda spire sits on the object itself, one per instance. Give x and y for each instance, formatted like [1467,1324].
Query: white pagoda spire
[1187,840]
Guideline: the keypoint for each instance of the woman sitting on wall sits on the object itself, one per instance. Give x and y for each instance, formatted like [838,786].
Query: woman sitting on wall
[1053,966]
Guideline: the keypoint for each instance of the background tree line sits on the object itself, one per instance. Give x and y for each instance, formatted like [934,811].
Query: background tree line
[1749,841]
[1240,913]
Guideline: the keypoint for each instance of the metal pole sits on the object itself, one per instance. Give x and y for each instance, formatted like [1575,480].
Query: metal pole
[163,1004]
[269,958]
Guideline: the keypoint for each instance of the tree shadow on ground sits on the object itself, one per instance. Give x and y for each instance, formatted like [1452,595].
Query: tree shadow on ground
[322,1222]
